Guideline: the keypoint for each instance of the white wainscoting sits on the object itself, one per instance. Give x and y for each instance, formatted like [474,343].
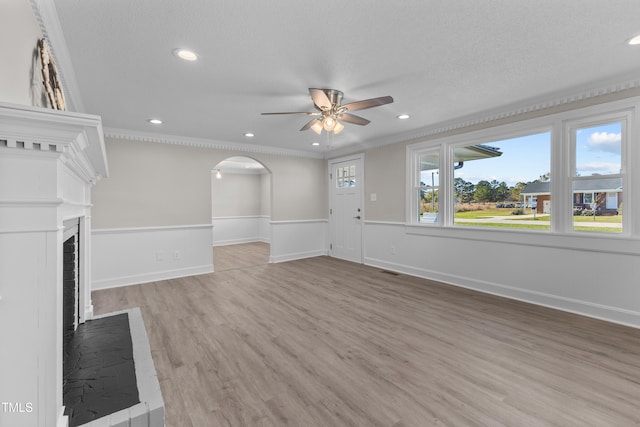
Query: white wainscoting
[240,229]
[292,240]
[578,279]
[127,256]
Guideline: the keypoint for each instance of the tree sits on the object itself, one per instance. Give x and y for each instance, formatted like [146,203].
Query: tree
[514,192]
[463,190]
[544,178]
[502,192]
[484,191]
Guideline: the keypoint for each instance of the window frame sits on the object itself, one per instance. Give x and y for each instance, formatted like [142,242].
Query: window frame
[562,148]
[570,131]
[414,186]
[447,146]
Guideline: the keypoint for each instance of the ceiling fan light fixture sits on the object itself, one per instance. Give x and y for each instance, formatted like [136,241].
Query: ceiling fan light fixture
[329,123]
[317,127]
[328,105]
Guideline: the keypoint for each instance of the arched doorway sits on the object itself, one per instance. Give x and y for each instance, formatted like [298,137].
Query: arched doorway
[240,213]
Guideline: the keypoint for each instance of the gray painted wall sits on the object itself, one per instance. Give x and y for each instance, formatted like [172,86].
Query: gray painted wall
[154,184]
[20,75]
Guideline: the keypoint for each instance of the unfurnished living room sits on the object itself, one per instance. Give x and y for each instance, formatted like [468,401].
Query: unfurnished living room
[284,213]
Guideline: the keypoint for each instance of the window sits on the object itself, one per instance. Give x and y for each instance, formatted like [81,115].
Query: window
[428,187]
[597,177]
[560,174]
[346,176]
[501,183]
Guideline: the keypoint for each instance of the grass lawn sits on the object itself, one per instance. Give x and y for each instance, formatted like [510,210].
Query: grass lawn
[485,213]
[613,218]
[535,226]
[600,229]
[505,225]
[540,217]
[505,222]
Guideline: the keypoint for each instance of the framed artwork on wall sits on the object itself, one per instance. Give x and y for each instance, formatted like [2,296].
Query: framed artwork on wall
[50,78]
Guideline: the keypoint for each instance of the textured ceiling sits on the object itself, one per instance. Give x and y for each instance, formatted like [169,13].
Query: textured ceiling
[440,60]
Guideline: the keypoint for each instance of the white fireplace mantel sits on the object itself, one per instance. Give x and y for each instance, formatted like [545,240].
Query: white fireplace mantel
[49,160]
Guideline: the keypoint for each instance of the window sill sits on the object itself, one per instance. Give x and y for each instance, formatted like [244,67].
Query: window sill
[579,241]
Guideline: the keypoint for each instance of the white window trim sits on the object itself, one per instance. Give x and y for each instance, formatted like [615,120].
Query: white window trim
[625,117]
[414,184]
[561,234]
[447,146]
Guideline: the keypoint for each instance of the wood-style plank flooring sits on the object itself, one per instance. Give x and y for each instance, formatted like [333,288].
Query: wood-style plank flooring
[240,256]
[323,342]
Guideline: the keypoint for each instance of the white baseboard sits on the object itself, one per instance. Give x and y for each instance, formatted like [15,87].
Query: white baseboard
[239,241]
[506,270]
[598,311]
[291,240]
[122,257]
[115,282]
[88,312]
[295,256]
[240,229]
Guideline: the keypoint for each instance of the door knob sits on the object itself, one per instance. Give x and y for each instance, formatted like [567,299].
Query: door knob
[357,217]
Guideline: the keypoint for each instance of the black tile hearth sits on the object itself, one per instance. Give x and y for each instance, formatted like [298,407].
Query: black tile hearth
[99,372]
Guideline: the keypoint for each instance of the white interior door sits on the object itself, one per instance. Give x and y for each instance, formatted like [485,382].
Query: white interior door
[346,215]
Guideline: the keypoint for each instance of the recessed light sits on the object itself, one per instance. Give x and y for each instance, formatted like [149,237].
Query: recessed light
[155,121]
[635,41]
[185,54]
[315,144]
[249,135]
[403,116]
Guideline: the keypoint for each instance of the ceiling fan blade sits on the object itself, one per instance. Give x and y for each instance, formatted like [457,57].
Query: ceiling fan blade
[309,124]
[320,99]
[308,113]
[367,103]
[356,120]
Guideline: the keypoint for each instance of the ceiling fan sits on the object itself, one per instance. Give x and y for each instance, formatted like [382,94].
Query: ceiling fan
[330,112]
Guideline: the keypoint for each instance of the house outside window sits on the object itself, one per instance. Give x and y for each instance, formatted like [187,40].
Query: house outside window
[598,176]
[581,159]
[497,172]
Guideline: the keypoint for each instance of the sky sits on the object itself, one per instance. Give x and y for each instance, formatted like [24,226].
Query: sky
[598,150]
[526,158]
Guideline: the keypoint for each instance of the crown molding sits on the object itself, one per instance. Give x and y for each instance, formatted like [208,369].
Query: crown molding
[75,138]
[132,135]
[47,17]
[568,98]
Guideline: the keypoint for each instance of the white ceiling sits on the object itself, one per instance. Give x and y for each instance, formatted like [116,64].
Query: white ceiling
[440,60]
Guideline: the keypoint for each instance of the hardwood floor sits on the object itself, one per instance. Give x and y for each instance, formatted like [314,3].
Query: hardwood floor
[323,342]
[240,256]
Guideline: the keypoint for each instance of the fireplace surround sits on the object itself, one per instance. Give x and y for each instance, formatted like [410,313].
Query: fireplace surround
[49,161]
